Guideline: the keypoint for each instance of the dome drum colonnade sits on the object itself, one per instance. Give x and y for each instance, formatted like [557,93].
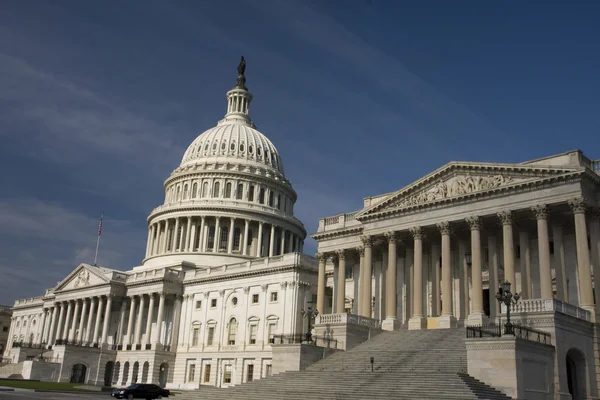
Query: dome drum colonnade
[443,282]
[229,195]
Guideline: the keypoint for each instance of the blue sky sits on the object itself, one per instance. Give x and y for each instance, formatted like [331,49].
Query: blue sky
[99,100]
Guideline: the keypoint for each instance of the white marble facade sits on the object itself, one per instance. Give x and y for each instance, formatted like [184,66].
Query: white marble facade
[222,274]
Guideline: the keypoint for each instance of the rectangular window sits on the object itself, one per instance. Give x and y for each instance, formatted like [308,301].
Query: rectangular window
[213,303]
[227,374]
[349,273]
[255,298]
[273,297]
[192,373]
[198,304]
[211,238]
[195,333]
[271,333]
[207,373]
[250,373]
[269,370]
[252,338]
[211,336]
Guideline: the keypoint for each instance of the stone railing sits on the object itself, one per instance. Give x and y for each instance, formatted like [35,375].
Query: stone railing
[338,222]
[548,305]
[166,273]
[343,318]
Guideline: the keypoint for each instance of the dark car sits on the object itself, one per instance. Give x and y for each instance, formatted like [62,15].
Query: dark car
[141,391]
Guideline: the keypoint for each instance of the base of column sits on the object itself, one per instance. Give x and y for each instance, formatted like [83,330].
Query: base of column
[390,324]
[446,322]
[477,319]
[417,323]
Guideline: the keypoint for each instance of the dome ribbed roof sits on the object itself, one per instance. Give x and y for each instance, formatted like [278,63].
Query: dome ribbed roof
[233,141]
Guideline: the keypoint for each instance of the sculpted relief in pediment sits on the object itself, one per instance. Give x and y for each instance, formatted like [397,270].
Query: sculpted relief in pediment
[455,186]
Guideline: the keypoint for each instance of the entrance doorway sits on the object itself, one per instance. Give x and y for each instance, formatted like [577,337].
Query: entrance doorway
[162,374]
[576,374]
[108,373]
[78,373]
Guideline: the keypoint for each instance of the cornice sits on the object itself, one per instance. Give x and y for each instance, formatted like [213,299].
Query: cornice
[249,274]
[338,233]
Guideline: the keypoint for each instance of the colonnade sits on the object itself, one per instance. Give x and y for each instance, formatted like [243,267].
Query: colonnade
[442,237]
[137,310]
[220,234]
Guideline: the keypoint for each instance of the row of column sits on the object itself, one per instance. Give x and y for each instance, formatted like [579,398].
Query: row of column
[190,234]
[67,316]
[137,308]
[586,297]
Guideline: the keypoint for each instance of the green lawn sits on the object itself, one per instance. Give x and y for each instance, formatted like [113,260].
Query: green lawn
[41,385]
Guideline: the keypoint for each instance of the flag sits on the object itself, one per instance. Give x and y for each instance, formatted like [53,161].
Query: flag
[100,225]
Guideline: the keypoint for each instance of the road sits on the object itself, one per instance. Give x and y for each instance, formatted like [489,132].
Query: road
[31,395]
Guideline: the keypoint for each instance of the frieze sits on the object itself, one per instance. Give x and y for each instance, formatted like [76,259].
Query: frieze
[454,187]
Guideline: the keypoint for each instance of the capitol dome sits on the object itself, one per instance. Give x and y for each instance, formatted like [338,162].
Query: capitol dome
[229,199]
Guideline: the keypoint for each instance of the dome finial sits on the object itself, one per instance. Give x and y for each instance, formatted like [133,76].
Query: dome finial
[241,79]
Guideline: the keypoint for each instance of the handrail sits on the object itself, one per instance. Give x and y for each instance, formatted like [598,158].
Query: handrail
[496,330]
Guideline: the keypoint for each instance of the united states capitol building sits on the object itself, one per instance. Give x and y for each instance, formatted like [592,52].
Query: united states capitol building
[224,275]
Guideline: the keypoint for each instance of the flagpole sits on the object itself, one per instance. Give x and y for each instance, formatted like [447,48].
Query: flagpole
[98,241]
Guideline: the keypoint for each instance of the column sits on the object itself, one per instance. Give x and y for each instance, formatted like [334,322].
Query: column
[138,323]
[59,327]
[560,264]
[120,331]
[43,325]
[156,243]
[186,244]
[341,282]
[72,335]
[65,334]
[159,319]
[321,282]
[84,309]
[477,316]
[541,214]
[150,317]
[150,244]
[447,319]
[230,236]
[494,277]
[52,324]
[106,319]
[175,235]
[272,240]
[245,243]
[595,254]
[525,264]
[417,321]
[88,332]
[586,297]
[260,238]
[217,241]
[201,244]
[508,245]
[391,283]
[283,232]
[192,243]
[176,319]
[436,265]
[130,320]
[165,237]
[367,281]
[95,338]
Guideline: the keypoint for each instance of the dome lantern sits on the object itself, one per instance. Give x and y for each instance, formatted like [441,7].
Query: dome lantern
[239,98]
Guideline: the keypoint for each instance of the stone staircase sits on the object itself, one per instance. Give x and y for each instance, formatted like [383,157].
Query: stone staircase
[428,364]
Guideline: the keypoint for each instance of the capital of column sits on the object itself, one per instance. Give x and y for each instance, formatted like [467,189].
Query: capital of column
[367,240]
[221,292]
[391,237]
[246,289]
[444,227]
[360,250]
[283,285]
[579,205]
[341,254]
[474,222]
[334,259]
[417,232]
[264,287]
[540,211]
[321,257]
[162,295]
[506,217]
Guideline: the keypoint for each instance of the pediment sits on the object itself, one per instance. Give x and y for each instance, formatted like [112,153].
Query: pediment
[81,277]
[456,180]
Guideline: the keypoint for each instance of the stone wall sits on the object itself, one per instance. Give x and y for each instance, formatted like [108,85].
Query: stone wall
[41,371]
[297,356]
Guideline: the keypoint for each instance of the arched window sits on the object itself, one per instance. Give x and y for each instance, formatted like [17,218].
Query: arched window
[236,238]
[261,196]
[185,191]
[216,189]
[270,198]
[211,238]
[249,238]
[239,194]
[228,190]
[231,331]
[224,237]
[178,193]
[279,202]
[251,193]
[205,189]
[195,190]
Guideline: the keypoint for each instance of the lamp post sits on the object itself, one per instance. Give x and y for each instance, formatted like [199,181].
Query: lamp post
[310,314]
[43,346]
[506,297]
